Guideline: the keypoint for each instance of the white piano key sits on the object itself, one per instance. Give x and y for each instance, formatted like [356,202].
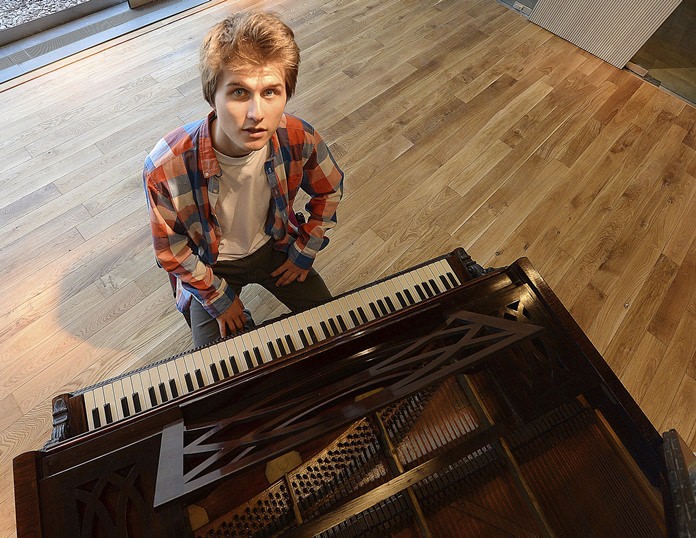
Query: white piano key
[189,369]
[207,358]
[152,390]
[352,300]
[214,365]
[263,337]
[342,306]
[128,395]
[175,378]
[227,350]
[109,407]
[139,391]
[99,401]
[365,300]
[117,387]
[247,359]
[291,327]
[315,318]
[337,313]
[303,323]
[284,348]
[395,292]
[273,337]
[236,359]
[90,406]
[322,313]
[201,371]
[162,388]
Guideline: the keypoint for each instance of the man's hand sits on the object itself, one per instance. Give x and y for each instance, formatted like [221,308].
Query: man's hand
[232,319]
[288,273]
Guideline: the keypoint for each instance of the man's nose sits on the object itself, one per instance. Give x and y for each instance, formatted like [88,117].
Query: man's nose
[255,108]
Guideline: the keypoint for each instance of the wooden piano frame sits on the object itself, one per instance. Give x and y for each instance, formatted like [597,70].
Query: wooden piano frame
[503,348]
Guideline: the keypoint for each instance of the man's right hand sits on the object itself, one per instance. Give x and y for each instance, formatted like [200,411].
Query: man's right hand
[232,319]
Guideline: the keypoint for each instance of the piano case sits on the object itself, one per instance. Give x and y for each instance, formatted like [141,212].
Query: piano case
[482,411]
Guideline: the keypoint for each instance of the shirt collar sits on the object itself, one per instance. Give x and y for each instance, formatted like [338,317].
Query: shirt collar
[206,156]
[208,163]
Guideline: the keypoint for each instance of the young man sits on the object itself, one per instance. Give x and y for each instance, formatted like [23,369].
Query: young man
[221,190]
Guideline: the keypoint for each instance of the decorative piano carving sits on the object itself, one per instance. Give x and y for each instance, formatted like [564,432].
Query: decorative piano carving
[257,429]
[454,416]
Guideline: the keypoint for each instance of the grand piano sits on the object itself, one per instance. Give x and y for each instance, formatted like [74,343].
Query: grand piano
[445,400]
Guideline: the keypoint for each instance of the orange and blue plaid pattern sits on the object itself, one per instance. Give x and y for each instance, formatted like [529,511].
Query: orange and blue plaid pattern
[181,180]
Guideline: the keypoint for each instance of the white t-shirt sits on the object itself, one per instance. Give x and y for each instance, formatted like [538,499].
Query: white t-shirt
[242,206]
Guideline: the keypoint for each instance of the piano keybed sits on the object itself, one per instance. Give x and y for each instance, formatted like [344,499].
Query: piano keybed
[137,391]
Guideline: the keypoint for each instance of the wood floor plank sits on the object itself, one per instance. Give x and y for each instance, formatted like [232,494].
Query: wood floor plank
[669,373]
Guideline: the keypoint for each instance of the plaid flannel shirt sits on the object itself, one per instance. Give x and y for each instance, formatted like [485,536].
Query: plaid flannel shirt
[182,183]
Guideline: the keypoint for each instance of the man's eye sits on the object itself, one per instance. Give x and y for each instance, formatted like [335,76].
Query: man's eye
[238,92]
[270,93]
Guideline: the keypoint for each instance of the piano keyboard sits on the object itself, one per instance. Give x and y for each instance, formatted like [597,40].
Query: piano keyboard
[155,384]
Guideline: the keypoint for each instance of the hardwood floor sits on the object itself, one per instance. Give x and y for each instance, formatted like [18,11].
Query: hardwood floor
[458,123]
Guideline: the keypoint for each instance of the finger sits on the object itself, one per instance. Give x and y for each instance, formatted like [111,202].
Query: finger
[284,280]
[301,277]
[223,329]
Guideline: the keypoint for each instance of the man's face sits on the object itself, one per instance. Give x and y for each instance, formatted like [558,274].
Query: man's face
[249,102]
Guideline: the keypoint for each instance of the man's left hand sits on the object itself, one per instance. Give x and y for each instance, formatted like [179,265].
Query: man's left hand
[288,273]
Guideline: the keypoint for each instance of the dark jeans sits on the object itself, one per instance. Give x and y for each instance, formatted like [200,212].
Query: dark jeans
[257,268]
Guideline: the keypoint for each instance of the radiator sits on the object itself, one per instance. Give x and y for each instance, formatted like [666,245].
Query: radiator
[612,30]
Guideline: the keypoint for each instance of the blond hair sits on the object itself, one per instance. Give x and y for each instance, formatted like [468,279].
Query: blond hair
[248,39]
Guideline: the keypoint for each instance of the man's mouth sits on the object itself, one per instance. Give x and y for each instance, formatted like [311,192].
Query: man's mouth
[254,130]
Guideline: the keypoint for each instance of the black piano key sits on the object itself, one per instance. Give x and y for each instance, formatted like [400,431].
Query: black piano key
[373,307]
[445,283]
[312,334]
[281,347]
[247,359]
[107,414]
[452,279]
[355,319]
[189,382]
[272,350]
[259,358]
[173,389]
[291,345]
[409,297]
[433,285]
[426,289]
[153,396]
[362,314]
[334,327]
[390,304]
[325,329]
[383,308]
[235,366]
[214,372]
[224,369]
[124,407]
[199,378]
[96,418]
[136,403]
[163,392]
[303,337]
[401,299]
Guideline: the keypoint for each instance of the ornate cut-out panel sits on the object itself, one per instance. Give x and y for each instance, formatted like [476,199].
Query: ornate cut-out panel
[272,424]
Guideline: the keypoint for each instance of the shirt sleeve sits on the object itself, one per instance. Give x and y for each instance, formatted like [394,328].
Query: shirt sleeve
[323,181]
[174,254]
